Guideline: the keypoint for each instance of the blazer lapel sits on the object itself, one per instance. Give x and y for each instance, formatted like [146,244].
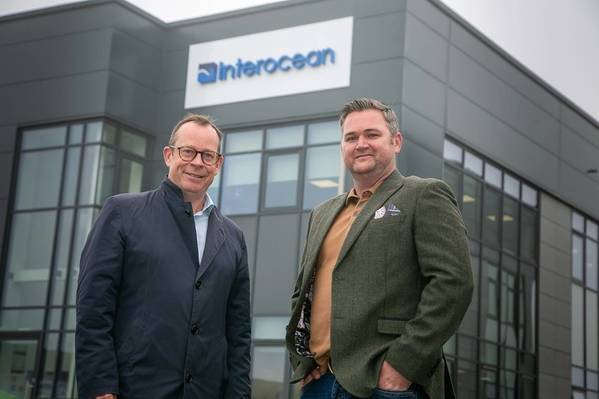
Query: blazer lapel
[183,215]
[393,183]
[320,229]
[215,237]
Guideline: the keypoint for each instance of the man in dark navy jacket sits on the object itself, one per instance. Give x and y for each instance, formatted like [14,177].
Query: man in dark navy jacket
[163,307]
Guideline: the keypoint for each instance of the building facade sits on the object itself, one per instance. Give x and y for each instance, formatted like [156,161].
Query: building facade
[88,96]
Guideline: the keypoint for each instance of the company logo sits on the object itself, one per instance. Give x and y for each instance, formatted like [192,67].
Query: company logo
[212,72]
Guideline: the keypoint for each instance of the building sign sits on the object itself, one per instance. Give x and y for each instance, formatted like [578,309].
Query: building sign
[286,61]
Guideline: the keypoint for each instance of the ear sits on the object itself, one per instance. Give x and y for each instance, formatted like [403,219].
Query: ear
[220,162]
[167,154]
[397,142]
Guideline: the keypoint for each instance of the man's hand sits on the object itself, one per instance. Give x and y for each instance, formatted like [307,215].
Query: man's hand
[312,375]
[391,380]
[107,396]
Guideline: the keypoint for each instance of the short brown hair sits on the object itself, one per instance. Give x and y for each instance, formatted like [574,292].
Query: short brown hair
[364,104]
[202,120]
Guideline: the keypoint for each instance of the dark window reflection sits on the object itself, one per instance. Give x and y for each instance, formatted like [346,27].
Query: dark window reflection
[491,217]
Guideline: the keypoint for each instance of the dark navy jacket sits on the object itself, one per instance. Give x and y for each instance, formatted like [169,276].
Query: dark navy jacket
[151,321]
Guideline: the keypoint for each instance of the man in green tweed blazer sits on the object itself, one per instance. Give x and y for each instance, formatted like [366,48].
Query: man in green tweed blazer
[385,276]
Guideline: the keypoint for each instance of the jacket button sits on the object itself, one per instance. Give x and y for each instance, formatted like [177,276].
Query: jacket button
[198,284]
[195,329]
[188,377]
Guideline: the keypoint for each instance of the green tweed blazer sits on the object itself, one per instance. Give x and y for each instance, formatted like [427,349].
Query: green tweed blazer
[401,285]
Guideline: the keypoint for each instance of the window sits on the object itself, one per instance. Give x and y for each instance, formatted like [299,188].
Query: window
[64,175]
[585,336]
[495,350]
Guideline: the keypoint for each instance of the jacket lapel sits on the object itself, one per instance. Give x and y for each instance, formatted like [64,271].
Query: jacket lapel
[321,227]
[183,216]
[390,186]
[215,237]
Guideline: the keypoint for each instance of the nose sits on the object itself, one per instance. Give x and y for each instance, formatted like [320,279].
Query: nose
[362,142]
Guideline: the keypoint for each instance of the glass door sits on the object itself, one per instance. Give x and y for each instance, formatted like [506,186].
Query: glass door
[18,358]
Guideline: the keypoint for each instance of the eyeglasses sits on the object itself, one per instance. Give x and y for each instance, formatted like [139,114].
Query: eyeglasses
[188,154]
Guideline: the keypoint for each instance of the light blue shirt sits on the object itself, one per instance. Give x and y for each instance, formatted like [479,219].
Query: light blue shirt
[200,219]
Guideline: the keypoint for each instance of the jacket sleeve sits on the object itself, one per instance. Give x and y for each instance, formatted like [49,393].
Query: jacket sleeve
[444,260]
[97,294]
[239,332]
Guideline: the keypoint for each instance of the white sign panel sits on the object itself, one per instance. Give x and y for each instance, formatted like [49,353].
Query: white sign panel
[286,61]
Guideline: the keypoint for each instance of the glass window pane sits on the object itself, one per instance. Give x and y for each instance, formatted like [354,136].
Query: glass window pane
[49,367]
[578,395]
[527,388]
[592,380]
[97,179]
[131,176]
[453,177]
[85,219]
[507,384]
[268,372]
[18,368]
[325,132]
[592,229]
[281,180]
[44,137]
[449,348]
[591,266]
[133,143]
[75,134]
[283,137]
[26,281]
[241,182]
[578,222]
[100,132]
[491,217]
[511,186]
[471,200]
[89,174]
[452,152]
[528,235]
[577,257]
[487,383]
[269,327]
[322,174]
[510,225]
[106,175]
[529,195]
[473,163]
[577,326]
[591,330]
[489,301]
[508,302]
[21,320]
[213,189]
[466,380]
[70,177]
[578,376]
[527,303]
[243,141]
[38,181]
[65,385]
[62,255]
[492,175]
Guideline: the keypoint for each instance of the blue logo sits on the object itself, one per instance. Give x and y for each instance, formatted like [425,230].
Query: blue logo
[212,72]
[207,73]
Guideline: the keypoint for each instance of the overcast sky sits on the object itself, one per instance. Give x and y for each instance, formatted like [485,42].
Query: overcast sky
[557,40]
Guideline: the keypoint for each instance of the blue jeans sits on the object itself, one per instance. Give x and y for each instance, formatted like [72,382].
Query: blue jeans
[327,387]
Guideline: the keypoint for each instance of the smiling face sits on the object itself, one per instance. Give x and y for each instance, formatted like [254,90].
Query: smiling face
[193,177]
[367,145]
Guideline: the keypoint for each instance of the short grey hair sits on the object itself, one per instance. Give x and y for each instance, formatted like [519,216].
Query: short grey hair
[364,104]
[202,120]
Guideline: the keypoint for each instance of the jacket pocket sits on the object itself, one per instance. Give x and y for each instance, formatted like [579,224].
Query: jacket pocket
[391,326]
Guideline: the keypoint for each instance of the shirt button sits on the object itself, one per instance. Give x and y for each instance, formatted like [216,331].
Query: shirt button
[195,329]
[188,377]
[198,284]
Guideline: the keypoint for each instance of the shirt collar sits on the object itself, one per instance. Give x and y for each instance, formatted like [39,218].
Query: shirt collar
[208,206]
[353,196]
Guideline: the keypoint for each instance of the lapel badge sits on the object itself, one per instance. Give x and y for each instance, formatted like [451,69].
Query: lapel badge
[380,212]
[393,210]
